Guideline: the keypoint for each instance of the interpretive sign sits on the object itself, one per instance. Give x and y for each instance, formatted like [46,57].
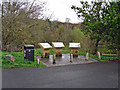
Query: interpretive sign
[58,48]
[74,48]
[45,47]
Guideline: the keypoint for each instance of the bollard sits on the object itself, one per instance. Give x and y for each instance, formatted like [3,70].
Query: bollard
[99,55]
[71,57]
[54,56]
[86,57]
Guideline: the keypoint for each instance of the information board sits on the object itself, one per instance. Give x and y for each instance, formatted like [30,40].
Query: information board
[74,45]
[58,44]
[45,45]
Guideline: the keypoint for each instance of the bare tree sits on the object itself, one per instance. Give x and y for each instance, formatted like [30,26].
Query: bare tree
[17,19]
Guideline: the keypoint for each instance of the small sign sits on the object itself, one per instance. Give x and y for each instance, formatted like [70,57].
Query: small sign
[45,45]
[58,44]
[74,45]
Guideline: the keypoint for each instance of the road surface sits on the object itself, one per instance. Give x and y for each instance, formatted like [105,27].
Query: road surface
[92,75]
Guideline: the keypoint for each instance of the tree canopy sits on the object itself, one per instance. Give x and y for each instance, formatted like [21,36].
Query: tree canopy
[112,20]
[102,20]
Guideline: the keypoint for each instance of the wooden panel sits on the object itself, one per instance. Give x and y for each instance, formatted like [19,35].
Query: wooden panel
[45,45]
[58,52]
[74,52]
[74,45]
[58,44]
[45,53]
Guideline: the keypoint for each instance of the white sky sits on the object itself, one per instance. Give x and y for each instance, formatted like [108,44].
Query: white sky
[61,9]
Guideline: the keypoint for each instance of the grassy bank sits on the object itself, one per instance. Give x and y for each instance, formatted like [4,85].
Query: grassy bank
[20,62]
[103,58]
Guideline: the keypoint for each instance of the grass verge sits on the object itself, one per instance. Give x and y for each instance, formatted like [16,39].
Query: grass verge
[20,62]
[103,58]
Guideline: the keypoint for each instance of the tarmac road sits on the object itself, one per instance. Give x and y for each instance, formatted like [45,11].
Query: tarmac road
[93,75]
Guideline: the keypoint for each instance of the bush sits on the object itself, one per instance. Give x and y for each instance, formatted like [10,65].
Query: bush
[110,58]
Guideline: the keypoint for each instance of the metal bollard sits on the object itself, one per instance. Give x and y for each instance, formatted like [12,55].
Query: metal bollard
[71,57]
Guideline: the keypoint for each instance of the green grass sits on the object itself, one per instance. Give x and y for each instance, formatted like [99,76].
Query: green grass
[103,58]
[66,49]
[20,62]
[110,58]
[52,52]
[90,55]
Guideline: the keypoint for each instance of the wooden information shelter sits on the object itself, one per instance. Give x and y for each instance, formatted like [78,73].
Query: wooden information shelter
[58,48]
[45,47]
[74,48]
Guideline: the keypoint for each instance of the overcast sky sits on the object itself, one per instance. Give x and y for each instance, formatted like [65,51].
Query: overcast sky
[61,9]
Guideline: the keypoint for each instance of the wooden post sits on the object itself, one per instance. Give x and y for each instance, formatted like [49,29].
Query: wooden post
[38,60]
[99,55]
[45,53]
[54,56]
[74,52]
[86,57]
[71,57]
[58,51]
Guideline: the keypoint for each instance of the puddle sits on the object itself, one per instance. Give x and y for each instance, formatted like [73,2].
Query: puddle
[65,59]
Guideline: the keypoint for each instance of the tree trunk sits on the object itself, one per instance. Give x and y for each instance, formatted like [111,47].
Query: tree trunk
[118,53]
[96,47]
